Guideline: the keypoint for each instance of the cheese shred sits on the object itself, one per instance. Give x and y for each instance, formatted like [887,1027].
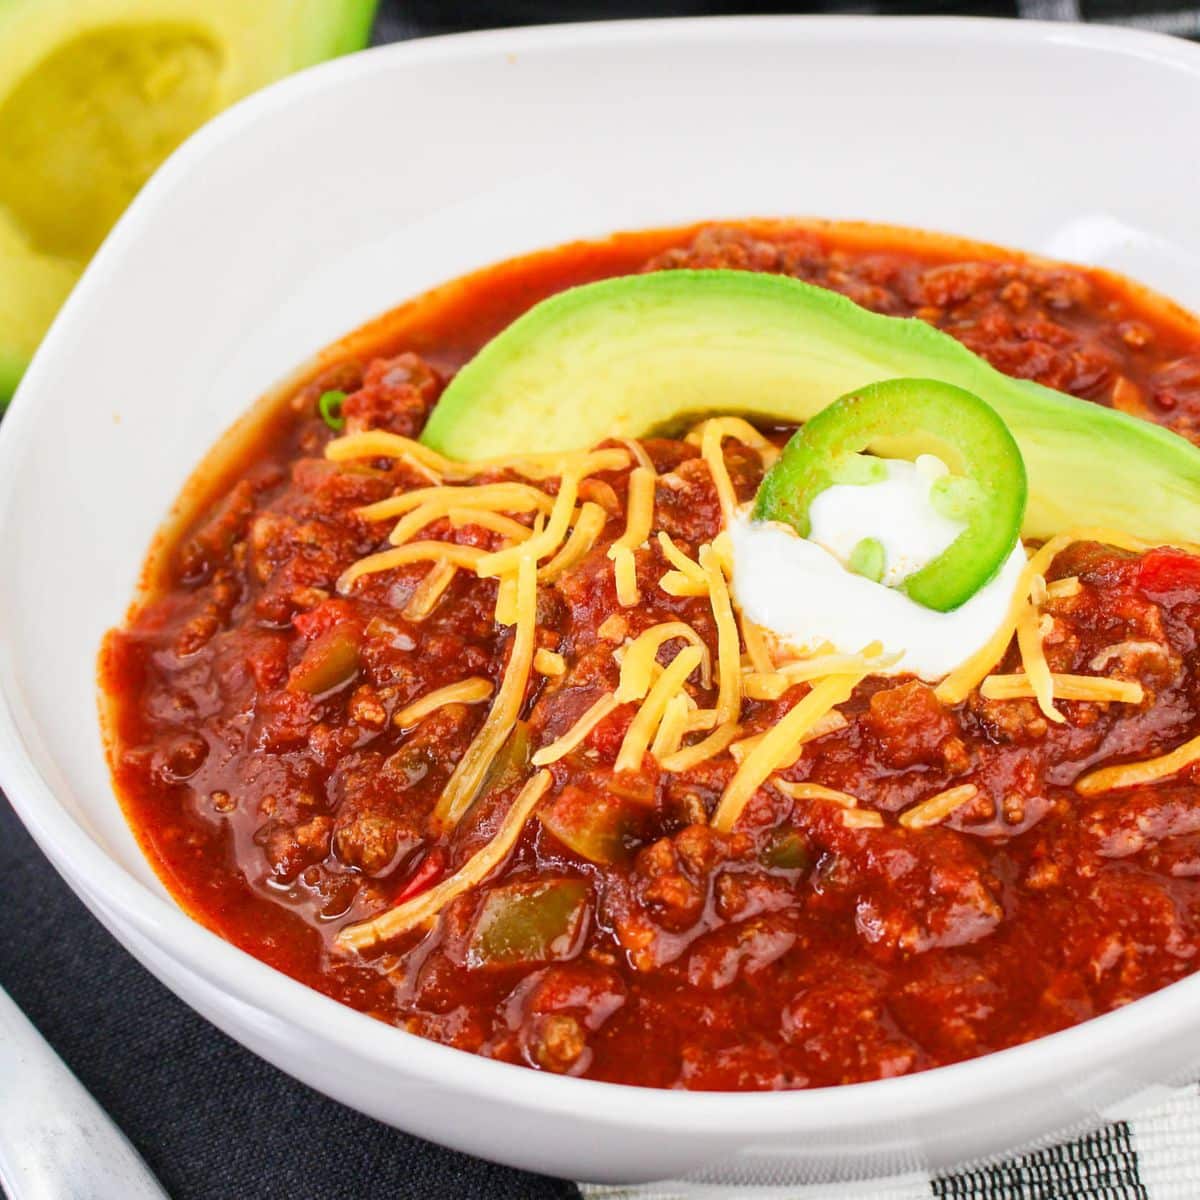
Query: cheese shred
[815,791]
[759,686]
[562,746]
[777,743]
[422,909]
[549,662]
[1096,688]
[959,684]
[645,723]
[690,756]
[430,591]
[641,655]
[468,775]
[671,728]
[625,576]
[831,722]
[639,511]
[378,443]
[496,497]
[1033,655]
[1150,770]
[935,809]
[465,691]
[403,556]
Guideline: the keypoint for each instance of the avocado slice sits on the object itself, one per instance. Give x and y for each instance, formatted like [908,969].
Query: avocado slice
[94,94]
[627,356]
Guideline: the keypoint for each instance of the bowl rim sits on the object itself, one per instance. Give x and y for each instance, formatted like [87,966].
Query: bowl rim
[104,884]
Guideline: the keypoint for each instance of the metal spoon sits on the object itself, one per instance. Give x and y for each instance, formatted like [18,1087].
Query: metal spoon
[55,1140]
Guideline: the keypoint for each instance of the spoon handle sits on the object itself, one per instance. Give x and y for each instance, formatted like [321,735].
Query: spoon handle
[55,1140]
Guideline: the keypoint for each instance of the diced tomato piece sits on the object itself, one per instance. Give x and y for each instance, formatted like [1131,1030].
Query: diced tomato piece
[323,618]
[1166,573]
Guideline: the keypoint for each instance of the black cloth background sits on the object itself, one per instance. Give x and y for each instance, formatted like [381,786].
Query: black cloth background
[212,1120]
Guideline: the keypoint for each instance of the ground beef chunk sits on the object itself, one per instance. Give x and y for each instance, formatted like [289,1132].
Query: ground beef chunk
[397,395]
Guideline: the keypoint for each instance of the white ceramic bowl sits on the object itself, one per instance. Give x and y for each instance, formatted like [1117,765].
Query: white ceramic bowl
[332,196]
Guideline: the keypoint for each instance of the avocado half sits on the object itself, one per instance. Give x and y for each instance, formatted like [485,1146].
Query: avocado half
[94,94]
[628,356]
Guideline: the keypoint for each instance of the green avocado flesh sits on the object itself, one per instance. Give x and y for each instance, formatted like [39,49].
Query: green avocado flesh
[626,357]
[94,95]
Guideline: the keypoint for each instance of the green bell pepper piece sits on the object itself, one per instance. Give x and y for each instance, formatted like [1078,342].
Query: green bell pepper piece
[989,495]
[786,849]
[593,824]
[329,663]
[530,922]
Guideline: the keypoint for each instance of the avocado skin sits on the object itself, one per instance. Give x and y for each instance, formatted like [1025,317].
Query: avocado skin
[151,73]
[629,355]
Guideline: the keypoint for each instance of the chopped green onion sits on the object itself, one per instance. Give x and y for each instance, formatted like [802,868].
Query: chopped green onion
[330,408]
[868,559]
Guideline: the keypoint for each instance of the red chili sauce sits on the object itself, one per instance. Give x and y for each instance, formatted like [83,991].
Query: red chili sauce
[279,815]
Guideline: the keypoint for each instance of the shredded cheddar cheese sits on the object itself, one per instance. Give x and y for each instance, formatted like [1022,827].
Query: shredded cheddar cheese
[869,661]
[625,576]
[1150,770]
[676,583]
[1029,642]
[1096,688]
[465,691]
[588,527]
[777,743]
[430,590]
[543,543]
[468,775]
[959,684]
[759,686]
[712,434]
[549,662]
[645,723]
[422,909]
[577,734]
[639,511]
[1064,589]
[831,722]
[547,466]
[757,651]
[497,497]
[640,657]
[729,649]
[861,818]
[671,728]
[935,809]
[680,561]
[690,756]
[403,556]
[378,443]
[638,452]
[493,521]
[506,601]
[815,791]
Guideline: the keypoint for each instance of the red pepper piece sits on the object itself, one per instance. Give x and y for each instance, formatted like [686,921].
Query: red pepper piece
[1167,572]
[430,869]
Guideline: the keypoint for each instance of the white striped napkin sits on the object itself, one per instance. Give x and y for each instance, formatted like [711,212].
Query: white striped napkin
[1153,1156]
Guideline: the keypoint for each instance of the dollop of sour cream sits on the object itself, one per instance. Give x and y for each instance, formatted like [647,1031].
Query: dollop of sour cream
[802,592]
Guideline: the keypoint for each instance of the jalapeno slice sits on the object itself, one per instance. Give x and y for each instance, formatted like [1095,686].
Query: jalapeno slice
[987,492]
